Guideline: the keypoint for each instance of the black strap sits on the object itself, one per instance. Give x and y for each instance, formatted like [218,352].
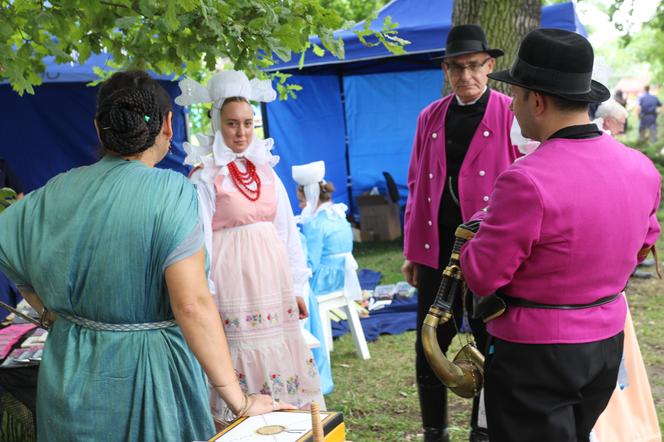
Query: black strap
[520,302]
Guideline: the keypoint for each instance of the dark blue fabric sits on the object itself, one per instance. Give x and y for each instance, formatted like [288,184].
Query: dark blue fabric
[369,279]
[397,318]
[381,115]
[310,128]
[53,130]
[562,16]
[9,294]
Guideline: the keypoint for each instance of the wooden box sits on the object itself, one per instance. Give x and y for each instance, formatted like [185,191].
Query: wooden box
[282,426]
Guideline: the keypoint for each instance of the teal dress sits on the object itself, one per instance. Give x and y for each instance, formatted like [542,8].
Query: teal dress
[94,243]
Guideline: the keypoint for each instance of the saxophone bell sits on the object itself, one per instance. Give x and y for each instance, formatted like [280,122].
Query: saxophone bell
[465,374]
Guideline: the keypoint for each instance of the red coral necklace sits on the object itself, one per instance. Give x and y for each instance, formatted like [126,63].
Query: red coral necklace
[243,180]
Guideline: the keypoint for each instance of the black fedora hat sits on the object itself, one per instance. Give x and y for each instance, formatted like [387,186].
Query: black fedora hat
[467,39]
[555,62]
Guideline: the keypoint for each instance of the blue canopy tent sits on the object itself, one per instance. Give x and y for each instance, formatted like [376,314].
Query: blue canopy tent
[52,131]
[359,114]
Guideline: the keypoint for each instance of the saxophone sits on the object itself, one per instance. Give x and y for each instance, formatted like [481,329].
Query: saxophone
[465,374]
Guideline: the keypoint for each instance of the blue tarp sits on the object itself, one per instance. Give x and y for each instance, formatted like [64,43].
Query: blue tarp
[399,317]
[52,131]
[364,108]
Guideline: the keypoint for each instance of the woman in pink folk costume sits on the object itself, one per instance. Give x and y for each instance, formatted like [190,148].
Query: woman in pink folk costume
[257,270]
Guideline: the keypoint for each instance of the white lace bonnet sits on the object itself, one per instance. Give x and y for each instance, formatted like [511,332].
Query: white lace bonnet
[221,86]
[308,176]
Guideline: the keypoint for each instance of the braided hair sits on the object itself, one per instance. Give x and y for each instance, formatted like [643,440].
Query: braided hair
[131,108]
[326,191]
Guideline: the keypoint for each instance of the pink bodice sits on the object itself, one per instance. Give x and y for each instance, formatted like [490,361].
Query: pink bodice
[234,209]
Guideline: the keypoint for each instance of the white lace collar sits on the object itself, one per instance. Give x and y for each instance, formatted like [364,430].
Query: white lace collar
[215,155]
[338,209]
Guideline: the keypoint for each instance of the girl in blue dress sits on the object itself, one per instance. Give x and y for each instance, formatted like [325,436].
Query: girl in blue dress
[329,244]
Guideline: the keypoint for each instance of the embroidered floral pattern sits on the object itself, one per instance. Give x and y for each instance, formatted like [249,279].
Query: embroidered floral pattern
[243,382]
[265,389]
[272,318]
[292,312]
[293,384]
[277,383]
[255,319]
[311,368]
[232,322]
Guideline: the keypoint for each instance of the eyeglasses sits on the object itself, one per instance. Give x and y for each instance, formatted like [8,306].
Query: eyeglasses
[457,69]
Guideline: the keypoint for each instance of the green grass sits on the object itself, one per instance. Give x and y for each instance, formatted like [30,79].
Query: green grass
[379,398]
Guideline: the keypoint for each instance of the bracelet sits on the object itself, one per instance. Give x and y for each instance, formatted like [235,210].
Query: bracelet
[43,321]
[227,384]
[248,402]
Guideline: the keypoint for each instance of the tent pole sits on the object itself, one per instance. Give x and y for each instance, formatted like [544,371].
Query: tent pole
[266,129]
[349,181]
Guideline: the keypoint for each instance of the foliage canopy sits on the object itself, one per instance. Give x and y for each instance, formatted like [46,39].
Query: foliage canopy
[181,37]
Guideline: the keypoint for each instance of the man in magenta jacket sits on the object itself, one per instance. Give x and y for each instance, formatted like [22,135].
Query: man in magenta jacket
[564,229]
[461,144]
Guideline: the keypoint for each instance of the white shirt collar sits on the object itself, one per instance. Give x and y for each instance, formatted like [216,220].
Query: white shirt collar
[461,103]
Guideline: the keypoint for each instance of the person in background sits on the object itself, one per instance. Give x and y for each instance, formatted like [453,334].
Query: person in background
[620,98]
[329,243]
[115,252]
[611,117]
[630,414]
[258,271]
[648,109]
[462,143]
[554,355]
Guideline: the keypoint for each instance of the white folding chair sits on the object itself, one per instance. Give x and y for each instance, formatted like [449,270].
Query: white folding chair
[337,300]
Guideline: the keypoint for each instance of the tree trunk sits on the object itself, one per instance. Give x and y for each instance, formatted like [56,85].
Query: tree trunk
[505,23]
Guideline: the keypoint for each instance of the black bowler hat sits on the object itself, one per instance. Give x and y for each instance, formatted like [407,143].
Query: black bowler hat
[555,62]
[467,39]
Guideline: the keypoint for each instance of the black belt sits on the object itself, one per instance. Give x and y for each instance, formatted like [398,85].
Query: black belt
[520,302]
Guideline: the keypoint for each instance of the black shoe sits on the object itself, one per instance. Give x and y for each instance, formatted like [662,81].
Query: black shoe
[436,435]
[640,274]
[478,435]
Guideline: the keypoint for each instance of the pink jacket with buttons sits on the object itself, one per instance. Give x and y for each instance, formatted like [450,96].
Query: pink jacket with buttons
[565,226]
[489,153]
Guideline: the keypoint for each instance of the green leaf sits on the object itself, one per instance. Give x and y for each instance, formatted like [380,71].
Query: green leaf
[175,35]
[170,17]
[318,50]
[283,53]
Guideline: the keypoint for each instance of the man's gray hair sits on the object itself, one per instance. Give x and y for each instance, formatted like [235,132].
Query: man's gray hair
[610,108]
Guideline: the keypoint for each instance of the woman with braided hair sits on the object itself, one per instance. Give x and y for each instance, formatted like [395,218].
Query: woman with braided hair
[115,250]
[258,271]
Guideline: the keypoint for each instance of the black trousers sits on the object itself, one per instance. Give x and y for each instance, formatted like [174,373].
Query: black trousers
[429,281]
[548,392]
